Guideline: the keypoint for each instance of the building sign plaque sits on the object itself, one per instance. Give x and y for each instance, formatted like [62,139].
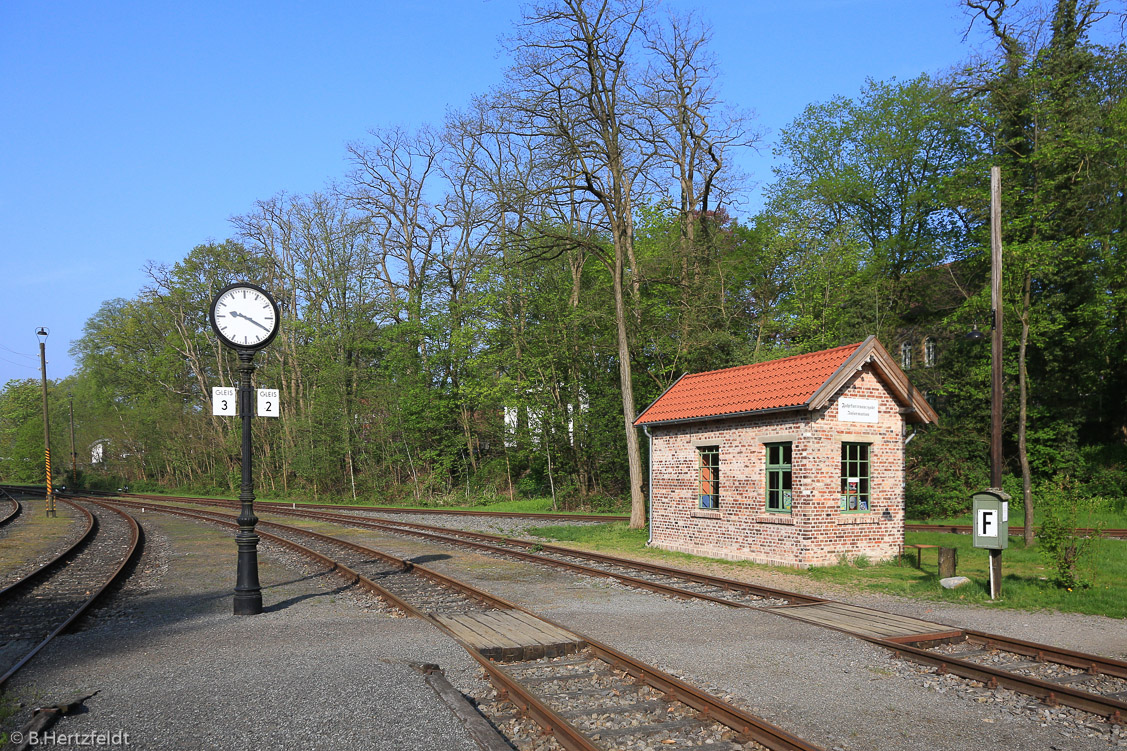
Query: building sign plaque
[857,410]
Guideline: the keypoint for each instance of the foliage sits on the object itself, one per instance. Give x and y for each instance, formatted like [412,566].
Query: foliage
[1071,555]
[21,432]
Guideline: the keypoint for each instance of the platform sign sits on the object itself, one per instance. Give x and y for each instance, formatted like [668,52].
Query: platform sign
[267,402]
[224,400]
[991,517]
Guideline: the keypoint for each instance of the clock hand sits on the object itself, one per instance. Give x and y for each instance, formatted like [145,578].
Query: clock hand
[237,314]
[256,323]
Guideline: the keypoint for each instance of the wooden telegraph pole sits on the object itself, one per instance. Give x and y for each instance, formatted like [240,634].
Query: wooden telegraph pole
[996,361]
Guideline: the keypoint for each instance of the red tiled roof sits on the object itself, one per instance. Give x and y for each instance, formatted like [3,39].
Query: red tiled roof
[789,382]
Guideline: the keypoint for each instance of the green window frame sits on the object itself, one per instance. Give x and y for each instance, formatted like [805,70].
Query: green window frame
[856,478]
[779,477]
[708,474]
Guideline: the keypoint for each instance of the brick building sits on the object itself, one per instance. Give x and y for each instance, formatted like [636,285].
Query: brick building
[795,462]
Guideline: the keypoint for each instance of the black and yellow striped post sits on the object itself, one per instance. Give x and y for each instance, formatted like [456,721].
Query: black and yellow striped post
[42,334]
[50,490]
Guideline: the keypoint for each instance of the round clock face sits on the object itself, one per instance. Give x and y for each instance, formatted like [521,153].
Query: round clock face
[244,316]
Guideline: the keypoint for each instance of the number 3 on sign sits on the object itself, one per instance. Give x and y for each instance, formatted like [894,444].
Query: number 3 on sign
[268,402]
[224,400]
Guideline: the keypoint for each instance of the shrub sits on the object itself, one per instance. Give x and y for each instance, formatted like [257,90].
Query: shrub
[926,502]
[1066,552]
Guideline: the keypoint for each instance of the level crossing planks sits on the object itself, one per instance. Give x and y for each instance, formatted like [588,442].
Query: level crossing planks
[865,622]
[510,635]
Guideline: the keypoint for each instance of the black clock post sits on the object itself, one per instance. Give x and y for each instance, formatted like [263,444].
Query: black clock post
[246,319]
[248,593]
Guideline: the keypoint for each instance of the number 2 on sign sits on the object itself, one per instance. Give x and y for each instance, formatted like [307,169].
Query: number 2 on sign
[267,402]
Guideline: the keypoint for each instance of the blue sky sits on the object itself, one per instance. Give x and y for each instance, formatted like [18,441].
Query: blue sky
[132,131]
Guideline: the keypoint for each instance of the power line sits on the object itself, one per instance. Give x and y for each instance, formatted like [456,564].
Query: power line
[19,364]
[21,354]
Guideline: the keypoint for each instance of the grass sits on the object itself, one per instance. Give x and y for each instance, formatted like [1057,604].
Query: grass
[36,534]
[609,536]
[8,707]
[1026,579]
[521,505]
[1108,519]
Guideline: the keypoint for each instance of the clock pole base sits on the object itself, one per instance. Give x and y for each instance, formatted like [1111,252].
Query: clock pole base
[248,593]
[248,604]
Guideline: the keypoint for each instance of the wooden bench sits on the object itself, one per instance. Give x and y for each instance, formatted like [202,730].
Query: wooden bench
[919,553]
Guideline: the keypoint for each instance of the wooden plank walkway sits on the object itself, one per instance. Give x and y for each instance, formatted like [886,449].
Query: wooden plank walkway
[510,635]
[864,622]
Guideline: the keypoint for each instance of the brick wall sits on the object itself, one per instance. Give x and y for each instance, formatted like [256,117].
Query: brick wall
[816,531]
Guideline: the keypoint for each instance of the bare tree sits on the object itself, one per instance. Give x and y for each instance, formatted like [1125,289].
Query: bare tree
[324,275]
[693,135]
[391,184]
[465,245]
[570,90]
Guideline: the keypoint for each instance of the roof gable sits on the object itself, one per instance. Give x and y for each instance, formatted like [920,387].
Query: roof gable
[806,381]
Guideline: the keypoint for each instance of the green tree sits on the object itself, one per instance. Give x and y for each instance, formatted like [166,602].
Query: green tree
[861,195]
[1051,103]
[21,431]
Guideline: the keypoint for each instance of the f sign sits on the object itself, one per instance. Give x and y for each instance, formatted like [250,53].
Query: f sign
[987,523]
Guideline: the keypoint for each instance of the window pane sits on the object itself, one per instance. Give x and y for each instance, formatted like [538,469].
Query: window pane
[708,495]
[778,476]
[855,479]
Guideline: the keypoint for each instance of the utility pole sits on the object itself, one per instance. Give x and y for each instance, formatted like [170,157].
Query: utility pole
[996,361]
[42,334]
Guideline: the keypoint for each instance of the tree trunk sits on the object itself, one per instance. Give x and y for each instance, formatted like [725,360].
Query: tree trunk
[1023,392]
[625,377]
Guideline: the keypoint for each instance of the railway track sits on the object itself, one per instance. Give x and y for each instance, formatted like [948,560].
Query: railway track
[661,579]
[41,561]
[960,529]
[11,512]
[585,697]
[47,601]
[1055,676]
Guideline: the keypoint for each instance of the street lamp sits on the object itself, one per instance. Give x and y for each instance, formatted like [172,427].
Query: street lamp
[42,334]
